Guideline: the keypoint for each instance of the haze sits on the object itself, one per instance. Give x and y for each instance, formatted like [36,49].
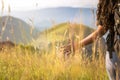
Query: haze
[24,5]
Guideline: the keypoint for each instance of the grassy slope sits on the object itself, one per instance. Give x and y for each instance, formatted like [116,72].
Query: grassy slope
[63,31]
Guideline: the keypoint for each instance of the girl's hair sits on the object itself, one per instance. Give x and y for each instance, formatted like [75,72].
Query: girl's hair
[105,13]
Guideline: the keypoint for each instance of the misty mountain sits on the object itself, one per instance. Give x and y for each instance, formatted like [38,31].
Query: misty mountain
[15,30]
[45,18]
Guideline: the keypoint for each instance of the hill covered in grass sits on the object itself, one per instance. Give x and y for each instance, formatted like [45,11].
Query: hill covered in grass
[61,32]
[15,30]
[65,30]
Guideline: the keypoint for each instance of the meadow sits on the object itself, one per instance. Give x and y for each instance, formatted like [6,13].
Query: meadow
[24,62]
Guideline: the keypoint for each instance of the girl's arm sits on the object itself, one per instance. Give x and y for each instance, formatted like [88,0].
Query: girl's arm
[100,31]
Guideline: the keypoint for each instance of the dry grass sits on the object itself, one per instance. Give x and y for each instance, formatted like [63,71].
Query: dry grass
[23,64]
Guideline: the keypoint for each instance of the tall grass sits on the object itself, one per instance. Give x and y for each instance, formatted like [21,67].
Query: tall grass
[24,64]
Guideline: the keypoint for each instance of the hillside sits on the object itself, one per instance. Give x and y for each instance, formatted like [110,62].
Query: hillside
[65,30]
[15,30]
[62,32]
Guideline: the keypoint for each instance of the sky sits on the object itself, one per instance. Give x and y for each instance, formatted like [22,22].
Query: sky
[23,5]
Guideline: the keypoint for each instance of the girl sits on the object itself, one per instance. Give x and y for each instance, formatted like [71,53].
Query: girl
[105,22]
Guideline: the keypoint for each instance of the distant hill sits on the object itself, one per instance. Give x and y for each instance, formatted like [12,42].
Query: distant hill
[45,18]
[15,30]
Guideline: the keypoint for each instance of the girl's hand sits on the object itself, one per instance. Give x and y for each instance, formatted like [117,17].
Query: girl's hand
[67,49]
